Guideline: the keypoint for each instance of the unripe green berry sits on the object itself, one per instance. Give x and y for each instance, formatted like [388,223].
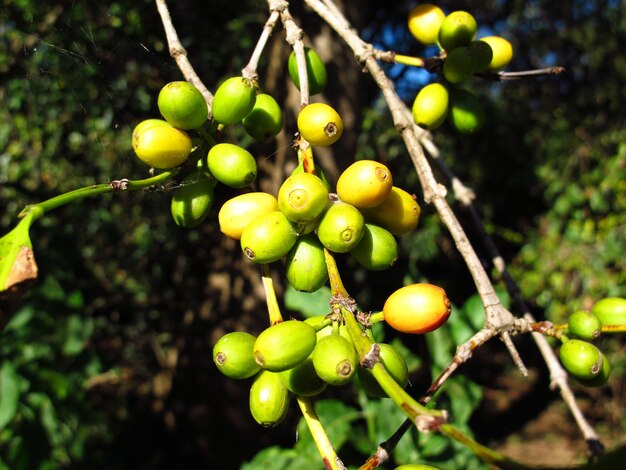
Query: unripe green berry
[584,325]
[377,249]
[233,356]
[335,359]
[265,120]
[341,227]
[232,165]
[581,359]
[268,237]
[457,29]
[430,107]
[182,105]
[284,345]
[233,100]
[269,399]
[315,69]
[305,264]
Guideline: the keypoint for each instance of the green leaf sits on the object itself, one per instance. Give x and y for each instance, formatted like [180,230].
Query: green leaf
[78,332]
[465,397]
[9,392]
[277,458]
[17,263]
[308,304]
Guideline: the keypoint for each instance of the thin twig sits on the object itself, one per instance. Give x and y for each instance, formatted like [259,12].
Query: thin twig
[179,54]
[558,376]
[250,70]
[502,76]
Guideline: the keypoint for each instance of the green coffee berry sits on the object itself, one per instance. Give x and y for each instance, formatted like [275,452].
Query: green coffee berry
[233,100]
[430,107]
[233,356]
[265,120]
[611,310]
[182,105]
[303,380]
[466,114]
[305,265]
[192,201]
[335,359]
[581,359]
[232,165]
[315,69]
[269,399]
[284,345]
[584,325]
[457,29]
[341,227]
[377,249]
[268,237]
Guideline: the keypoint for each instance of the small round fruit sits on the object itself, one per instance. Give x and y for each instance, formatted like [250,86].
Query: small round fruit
[584,325]
[430,107]
[305,265]
[457,29]
[302,379]
[417,308]
[162,147]
[192,201]
[482,54]
[268,237]
[145,125]
[182,105]
[377,250]
[315,69]
[459,65]
[284,345]
[320,124]
[364,184]
[265,120]
[601,378]
[239,211]
[581,359]
[611,310]
[394,363]
[398,213]
[424,23]
[341,227]
[233,356]
[232,165]
[269,399]
[302,197]
[467,114]
[233,100]
[335,359]
[502,52]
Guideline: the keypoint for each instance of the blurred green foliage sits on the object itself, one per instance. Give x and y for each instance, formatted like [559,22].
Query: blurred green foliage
[84,374]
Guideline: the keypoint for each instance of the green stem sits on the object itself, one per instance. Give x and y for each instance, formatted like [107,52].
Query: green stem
[324,446]
[270,297]
[118,185]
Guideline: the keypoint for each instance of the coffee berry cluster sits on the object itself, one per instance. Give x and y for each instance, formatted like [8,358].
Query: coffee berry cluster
[579,355]
[462,56]
[299,226]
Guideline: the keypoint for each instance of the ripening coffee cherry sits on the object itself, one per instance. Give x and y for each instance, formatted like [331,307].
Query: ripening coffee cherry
[233,356]
[424,23]
[315,69]
[581,359]
[502,52]
[302,197]
[364,184]
[161,146]
[467,114]
[398,213]
[393,362]
[611,310]
[335,359]
[305,264]
[192,201]
[239,211]
[233,100]
[268,237]
[584,325]
[417,308]
[481,53]
[457,29]
[147,124]
[284,345]
[232,165]
[265,120]
[319,124]
[459,65]
[302,379]
[269,399]
[377,250]
[182,105]
[341,227]
[430,107]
